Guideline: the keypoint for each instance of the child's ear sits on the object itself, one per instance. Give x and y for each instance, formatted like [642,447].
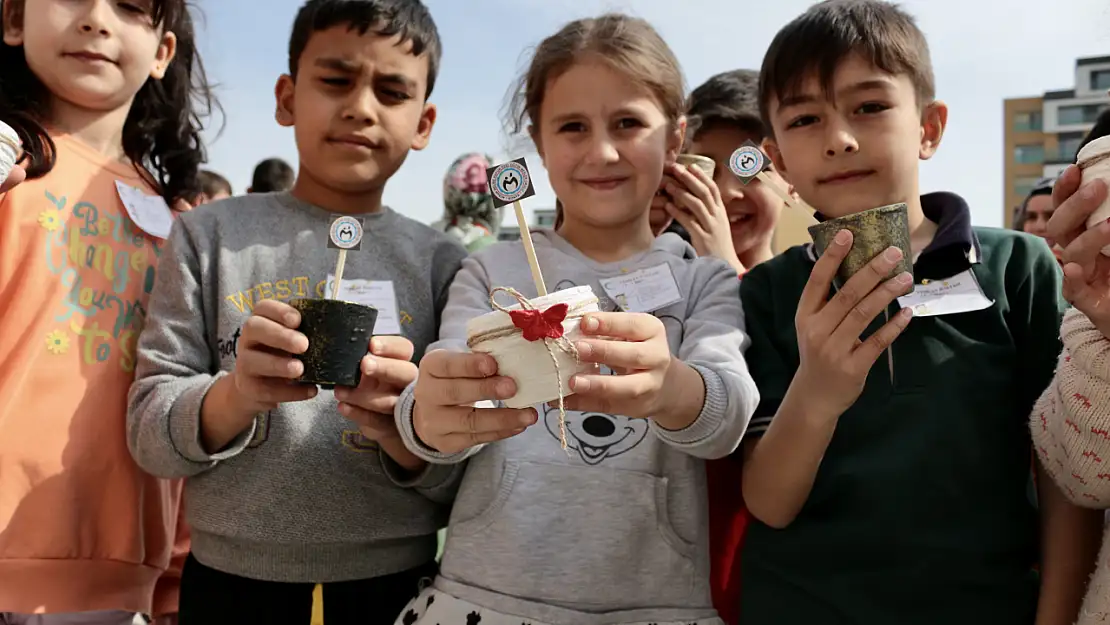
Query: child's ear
[11,13]
[166,51]
[283,95]
[424,128]
[771,149]
[676,140]
[934,119]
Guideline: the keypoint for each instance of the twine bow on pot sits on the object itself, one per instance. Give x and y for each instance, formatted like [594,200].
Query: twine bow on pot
[533,325]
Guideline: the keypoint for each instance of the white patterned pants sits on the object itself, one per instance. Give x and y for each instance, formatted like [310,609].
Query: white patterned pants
[433,607]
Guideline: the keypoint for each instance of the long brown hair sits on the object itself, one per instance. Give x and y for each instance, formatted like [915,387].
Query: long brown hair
[162,134]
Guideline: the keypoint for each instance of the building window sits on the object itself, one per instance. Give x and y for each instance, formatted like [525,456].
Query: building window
[1029,154]
[1023,185]
[544,218]
[1069,145]
[1079,114]
[1100,80]
[1029,121]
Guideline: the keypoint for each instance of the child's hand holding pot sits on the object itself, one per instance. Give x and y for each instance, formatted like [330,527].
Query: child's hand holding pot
[265,371]
[264,376]
[634,346]
[834,360]
[446,418]
[386,371]
[1086,268]
[693,199]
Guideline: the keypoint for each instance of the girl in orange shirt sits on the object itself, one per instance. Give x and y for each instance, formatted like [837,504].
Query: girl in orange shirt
[102,94]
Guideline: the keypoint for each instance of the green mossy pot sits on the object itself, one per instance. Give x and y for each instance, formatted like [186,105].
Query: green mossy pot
[872,232]
[338,337]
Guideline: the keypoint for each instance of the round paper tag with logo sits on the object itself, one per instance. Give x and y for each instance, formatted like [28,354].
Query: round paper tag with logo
[747,161]
[509,182]
[346,232]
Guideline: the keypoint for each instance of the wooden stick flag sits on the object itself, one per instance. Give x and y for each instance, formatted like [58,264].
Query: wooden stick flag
[345,234]
[509,183]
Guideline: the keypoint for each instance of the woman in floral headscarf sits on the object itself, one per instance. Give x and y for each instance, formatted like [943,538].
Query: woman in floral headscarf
[468,212]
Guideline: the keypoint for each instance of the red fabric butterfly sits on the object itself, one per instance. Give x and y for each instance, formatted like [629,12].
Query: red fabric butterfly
[540,324]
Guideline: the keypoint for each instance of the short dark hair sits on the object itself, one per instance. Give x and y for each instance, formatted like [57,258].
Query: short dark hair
[1100,130]
[212,183]
[729,98]
[408,18]
[818,41]
[272,174]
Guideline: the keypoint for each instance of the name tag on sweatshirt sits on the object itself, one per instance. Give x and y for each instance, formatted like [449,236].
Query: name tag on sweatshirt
[645,290]
[376,293]
[949,296]
[149,212]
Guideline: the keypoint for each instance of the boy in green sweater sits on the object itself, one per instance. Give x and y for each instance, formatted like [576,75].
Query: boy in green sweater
[886,466]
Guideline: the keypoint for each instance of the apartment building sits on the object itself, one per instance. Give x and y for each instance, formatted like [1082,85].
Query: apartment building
[1042,133]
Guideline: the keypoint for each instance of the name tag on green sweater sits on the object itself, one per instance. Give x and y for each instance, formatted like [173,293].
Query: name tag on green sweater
[949,296]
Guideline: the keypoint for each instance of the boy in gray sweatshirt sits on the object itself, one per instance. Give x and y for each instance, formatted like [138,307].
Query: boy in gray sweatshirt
[287,485]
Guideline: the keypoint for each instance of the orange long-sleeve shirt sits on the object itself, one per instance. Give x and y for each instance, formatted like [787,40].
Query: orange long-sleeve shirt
[81,526]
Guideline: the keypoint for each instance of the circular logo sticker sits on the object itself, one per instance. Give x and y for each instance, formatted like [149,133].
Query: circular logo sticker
[346,232]
[509,182]
[747,161]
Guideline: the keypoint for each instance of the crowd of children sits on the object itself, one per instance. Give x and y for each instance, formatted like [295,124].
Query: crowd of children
[845,461]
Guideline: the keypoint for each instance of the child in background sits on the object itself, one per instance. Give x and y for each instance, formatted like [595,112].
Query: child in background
[734,222]
[85,535]
[615,530]
[886,468]
[271,176]
[213,187]
[283,491]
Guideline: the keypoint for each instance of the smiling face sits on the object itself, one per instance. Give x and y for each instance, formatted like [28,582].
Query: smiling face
[858,148]
[753,209]
[92,54]
[357,107]
[604,140]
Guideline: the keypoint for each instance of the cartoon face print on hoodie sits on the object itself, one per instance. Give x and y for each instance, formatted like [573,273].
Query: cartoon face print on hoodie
[596,436]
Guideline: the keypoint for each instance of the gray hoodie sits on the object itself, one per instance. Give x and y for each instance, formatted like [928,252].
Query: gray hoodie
[615,531]
[300,496]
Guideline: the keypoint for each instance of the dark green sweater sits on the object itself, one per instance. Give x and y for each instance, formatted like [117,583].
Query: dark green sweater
[920,512]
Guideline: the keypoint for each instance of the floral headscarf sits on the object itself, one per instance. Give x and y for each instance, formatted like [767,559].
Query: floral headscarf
[469,214]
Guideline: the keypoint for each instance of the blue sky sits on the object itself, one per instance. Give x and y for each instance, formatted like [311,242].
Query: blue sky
[983,51]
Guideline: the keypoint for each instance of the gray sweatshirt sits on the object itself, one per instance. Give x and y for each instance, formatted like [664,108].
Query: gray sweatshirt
[615,531]
[300,496]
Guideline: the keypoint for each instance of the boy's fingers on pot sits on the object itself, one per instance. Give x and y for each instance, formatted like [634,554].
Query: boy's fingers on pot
[396,347]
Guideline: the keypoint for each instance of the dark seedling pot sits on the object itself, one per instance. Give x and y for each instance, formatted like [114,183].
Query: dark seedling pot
[338,337]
